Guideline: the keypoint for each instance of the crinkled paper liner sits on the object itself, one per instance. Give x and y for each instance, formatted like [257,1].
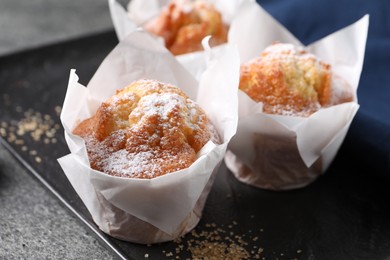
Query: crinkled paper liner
[166,207]
[285,152]
[125,226]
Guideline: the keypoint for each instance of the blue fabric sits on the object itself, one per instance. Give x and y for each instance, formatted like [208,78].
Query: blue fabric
[309,20]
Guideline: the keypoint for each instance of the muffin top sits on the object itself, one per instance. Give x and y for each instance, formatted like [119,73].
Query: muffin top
[145,130]
[290,81]
[183,24]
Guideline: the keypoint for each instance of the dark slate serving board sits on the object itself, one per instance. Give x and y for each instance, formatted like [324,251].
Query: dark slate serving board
[345,214]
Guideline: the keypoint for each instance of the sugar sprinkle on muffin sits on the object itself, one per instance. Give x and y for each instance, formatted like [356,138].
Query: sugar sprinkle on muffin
[183,24]
[288,80]
[145,130]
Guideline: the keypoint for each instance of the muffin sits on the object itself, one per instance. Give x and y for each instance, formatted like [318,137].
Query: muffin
[138,127]
[183,24]
[282,153]
[145,130]
[290,81]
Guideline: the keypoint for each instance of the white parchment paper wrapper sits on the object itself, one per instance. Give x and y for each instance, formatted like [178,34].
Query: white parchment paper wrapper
[284,152]
[163,208]
[140,11]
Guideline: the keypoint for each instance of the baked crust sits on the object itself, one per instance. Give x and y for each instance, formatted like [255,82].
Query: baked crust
[145,130]
[290,81]
[183,24]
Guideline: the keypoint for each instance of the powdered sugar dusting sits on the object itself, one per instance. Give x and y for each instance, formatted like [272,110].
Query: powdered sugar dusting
[121,162]
[164,131]
[288,80]
[284,50]
[288,110]
[341,91]
[161,105]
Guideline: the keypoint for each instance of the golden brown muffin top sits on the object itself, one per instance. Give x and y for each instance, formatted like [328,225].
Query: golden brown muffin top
[287,80]
[145,130]
[183,24]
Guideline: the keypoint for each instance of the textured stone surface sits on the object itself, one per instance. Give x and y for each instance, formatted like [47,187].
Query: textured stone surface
[33,223]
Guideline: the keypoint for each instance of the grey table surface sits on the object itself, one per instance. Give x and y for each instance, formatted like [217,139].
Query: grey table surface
[33,223]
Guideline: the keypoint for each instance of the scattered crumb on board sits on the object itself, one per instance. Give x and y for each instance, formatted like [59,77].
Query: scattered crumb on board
[33,127]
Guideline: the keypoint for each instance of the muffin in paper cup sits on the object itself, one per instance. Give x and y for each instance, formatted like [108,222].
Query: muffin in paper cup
[140,13]
[166,207]
[281,152]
